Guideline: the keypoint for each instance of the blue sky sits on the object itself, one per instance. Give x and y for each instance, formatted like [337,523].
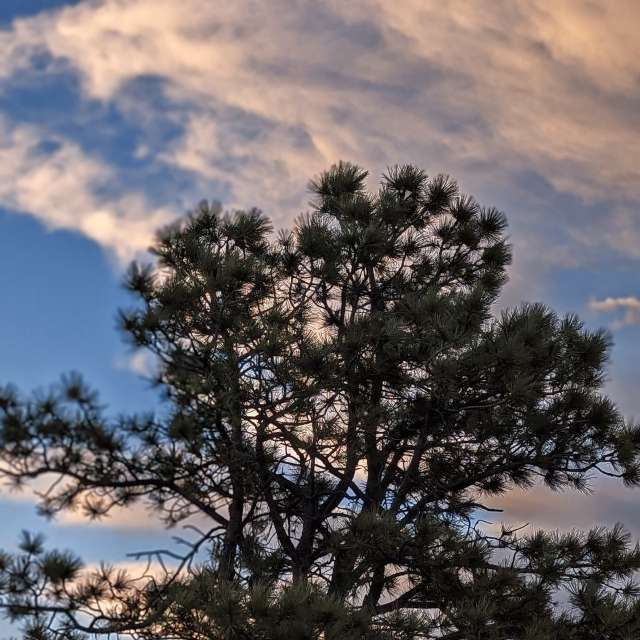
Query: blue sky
[116,116]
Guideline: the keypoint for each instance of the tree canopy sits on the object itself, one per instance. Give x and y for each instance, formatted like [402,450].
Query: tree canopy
[342,408]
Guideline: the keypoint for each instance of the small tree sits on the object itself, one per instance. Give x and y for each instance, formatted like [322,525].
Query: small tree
[341,404]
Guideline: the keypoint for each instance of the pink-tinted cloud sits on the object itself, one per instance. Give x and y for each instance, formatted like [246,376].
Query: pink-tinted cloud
[480,91]
[61,188]
[630,305]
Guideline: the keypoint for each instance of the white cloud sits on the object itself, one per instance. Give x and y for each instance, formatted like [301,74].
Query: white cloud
[629,304]
[271,94]
[133,517]
[142,363]
[609,304]
[136,517]
[61,186]
[139,516]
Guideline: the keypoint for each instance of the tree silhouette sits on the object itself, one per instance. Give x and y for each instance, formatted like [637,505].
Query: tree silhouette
[341,404]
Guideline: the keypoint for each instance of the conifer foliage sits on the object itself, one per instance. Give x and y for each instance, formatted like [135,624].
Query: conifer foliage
[342,408]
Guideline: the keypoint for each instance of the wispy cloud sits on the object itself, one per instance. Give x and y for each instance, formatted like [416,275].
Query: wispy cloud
[540,507]
[136,516]
[629,305]
[54,180]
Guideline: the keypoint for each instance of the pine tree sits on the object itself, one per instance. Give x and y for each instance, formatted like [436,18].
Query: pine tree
[341,407]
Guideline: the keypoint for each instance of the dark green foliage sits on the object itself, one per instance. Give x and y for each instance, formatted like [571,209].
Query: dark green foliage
[341,405]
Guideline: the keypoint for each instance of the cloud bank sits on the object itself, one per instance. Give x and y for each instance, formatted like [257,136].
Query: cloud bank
[265,96]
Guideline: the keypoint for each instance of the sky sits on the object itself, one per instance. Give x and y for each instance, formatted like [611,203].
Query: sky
[117,116]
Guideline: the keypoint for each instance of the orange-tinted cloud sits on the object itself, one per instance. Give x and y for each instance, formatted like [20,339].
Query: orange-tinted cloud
[275,92]
[61,188]
[542,508]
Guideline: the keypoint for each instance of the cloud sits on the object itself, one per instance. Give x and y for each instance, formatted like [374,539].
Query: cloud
[137,516]
[268,95]
[142,363]
[54,180]
[136,570]
[629,304]
[541,507]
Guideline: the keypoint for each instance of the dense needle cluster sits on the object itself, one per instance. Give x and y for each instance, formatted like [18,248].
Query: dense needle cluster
[341,408]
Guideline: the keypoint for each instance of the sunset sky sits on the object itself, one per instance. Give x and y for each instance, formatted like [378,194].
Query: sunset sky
[117,116]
